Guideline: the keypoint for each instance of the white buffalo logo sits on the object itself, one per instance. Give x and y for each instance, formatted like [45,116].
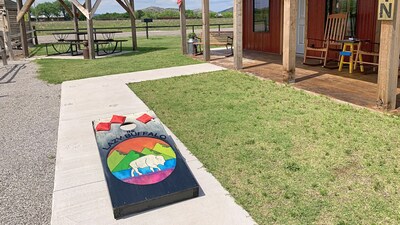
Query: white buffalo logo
[151,161]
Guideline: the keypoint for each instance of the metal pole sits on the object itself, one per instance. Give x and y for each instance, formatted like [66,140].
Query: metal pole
[147,30]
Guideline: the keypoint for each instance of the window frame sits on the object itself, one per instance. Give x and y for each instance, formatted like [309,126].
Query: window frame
[268,25]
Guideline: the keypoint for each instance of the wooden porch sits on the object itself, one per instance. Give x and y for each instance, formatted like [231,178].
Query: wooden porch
[357,88]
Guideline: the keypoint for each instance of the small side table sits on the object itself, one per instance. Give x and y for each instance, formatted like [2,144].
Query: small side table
[349,48]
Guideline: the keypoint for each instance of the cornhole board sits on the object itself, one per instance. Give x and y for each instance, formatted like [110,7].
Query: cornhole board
[142,166]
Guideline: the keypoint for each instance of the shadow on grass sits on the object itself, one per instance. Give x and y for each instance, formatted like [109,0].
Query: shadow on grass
[39,50]
[35,50]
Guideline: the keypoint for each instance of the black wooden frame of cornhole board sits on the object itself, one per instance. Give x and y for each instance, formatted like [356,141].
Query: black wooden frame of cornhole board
[127,198]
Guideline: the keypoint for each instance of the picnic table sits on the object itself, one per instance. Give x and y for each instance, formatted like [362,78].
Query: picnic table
[105,44]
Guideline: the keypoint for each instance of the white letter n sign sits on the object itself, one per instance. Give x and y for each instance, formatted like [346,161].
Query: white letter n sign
[386,9]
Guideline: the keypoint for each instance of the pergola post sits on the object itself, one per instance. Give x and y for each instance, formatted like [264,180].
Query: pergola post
[238,34]
[22,31]
[290,8]
[90,36]
[133,26]
[206,29]
[182,16]
[389,61]
[7,38]
[76,22]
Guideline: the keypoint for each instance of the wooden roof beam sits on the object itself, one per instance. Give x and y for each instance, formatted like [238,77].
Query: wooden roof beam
[66,8]
[123,5]
[95,6]
[128,8]
[131,10]
[25,8]
[82,9]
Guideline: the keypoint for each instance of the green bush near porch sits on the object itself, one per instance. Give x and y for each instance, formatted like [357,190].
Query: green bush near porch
[154,53]
[286,156]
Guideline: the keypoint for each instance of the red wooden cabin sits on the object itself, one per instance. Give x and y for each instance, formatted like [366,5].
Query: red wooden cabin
[362,22]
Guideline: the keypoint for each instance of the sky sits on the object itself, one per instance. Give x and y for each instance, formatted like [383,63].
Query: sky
[113,6]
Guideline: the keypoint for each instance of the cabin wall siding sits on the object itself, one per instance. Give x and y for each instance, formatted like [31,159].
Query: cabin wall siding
[262,41]
[366,27]
[316,19]
[367,19]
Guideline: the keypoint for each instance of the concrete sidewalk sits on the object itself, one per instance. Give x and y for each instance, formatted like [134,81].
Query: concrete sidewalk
[80,192]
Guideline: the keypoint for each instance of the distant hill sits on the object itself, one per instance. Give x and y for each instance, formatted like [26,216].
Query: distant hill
[199,10]
[159,9]
[227,10]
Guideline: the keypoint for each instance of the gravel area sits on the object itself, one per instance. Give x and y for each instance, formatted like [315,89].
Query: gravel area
[29,112]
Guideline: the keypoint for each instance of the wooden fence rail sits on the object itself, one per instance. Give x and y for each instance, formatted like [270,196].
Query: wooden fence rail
[192,27]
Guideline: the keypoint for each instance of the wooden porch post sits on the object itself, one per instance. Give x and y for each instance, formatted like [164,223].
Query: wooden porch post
[76,22]
[90,36]
[206,29]
[238,34]
[133,26]
[7,38]
[290,8]
[389,61]
[182,16]
[22,31]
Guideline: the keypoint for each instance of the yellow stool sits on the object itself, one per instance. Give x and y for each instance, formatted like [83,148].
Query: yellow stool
[348,50]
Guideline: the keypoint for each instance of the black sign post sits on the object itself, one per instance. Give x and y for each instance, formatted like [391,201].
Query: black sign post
[147,21]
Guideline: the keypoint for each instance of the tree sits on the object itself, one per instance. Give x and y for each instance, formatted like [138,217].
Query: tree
[62,10]
[47,9]
[139,14]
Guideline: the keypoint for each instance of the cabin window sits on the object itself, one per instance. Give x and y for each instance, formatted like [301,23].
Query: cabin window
[261,15]
[343,6]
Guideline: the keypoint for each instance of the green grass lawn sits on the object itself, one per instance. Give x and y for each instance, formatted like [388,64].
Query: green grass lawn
[286,156]
[50,25]
[157,52]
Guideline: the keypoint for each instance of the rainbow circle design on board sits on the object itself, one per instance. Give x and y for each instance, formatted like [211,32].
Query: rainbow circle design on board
[142,161]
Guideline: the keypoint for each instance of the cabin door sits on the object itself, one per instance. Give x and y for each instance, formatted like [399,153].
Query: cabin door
[301,23]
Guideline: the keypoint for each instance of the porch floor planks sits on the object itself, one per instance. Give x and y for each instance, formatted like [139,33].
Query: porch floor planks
[357,88]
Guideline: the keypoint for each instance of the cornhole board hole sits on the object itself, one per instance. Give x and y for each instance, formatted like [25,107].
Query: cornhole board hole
[142,166]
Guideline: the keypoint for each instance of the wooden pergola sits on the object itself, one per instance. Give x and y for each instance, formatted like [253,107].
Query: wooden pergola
[88,10]
[388,54]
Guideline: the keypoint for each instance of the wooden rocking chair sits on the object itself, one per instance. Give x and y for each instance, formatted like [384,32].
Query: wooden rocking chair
[335,30]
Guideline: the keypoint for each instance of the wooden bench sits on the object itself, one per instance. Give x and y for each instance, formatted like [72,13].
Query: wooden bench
[217,38]
[61,47]
[108,46]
